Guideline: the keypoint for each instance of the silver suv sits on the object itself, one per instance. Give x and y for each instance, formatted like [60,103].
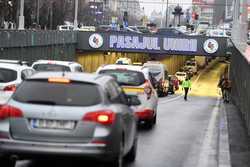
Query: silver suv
[73,114]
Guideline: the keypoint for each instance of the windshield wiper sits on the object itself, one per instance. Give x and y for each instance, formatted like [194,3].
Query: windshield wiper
[41,102]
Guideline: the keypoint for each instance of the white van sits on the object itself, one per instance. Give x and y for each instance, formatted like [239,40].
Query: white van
[53,65]
[160,73]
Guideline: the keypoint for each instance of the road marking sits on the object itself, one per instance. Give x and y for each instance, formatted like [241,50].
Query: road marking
[170,100]
[209,148]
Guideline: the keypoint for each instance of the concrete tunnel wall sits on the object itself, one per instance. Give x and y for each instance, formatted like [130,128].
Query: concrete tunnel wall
[92,60]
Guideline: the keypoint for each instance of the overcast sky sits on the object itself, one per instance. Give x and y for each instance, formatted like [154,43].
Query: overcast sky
[150,5]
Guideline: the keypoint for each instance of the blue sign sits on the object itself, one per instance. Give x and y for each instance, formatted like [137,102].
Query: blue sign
[155,44]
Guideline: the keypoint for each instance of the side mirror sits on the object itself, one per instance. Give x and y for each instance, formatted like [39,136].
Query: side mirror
[133,101]
[23,76]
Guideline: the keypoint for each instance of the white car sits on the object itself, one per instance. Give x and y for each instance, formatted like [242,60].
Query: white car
[53,65]
[12,73]
[217,33]
[65,27]
[181,76]
[124,61]
[136,81]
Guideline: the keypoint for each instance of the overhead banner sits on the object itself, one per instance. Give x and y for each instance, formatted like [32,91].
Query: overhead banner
[154,44]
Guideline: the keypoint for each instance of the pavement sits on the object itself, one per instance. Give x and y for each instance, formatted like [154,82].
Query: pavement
[191,133]
[239,141]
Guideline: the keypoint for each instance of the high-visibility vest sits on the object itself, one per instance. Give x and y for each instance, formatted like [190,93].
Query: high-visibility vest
[186,84]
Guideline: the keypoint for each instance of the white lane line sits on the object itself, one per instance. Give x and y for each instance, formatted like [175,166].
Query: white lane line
[198,77]
[169,100]
[209,148]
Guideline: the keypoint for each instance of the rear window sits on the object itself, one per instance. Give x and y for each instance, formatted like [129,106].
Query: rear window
[73,94]
[180,74]
[50,67]
[7,75]
[154,70]
[126,77]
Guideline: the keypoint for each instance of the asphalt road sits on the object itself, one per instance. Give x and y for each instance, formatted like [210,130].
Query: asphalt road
[184,136]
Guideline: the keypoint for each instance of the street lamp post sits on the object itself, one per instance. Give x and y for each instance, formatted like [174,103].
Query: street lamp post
[166,24]
[76,13]
[38,12]
[21,16]
[162,13]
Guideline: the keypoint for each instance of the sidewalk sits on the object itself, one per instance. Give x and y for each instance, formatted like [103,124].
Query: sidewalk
[239,141]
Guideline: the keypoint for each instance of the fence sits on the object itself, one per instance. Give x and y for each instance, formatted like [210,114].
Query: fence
[240,77]
[33,45]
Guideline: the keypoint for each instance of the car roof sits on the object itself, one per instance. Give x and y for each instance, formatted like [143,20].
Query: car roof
[14,66]
[75,76]
[179,72]
[65,63]
[128,67]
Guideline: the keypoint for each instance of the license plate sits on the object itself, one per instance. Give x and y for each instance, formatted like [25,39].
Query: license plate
[52,124]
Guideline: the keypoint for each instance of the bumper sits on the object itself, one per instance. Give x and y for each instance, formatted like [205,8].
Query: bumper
[23,149]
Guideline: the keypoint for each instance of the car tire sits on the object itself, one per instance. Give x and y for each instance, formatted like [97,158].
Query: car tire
[118,160]
[150,123]
[6,162]
[155,119]
[131,156]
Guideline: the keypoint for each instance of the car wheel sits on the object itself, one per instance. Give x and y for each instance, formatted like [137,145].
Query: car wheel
[155,119]
[118,161]
[6,162]
[131,156]
[150,123]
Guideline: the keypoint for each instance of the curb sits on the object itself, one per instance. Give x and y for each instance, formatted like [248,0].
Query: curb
[224,159]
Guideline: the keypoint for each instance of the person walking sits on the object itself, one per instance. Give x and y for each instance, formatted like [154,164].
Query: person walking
[186,85]
[222,78]
[226,85]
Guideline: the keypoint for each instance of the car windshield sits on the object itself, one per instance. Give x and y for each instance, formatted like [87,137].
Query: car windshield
[154,70]
[73,94]
[7,75]
[126,77]
[50,67]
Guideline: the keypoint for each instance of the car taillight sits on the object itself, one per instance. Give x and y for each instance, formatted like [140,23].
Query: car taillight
[145,114]
[147,89]
[11,88]
[7,111]
[105,117]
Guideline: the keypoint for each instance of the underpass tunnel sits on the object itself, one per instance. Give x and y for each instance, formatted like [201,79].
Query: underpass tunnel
[92,60]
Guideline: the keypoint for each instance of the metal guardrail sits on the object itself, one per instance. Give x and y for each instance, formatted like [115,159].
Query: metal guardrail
[33,45]
[28,38]
[240,77]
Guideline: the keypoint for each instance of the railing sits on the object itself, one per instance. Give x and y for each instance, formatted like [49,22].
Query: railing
[240,77]
[13,38]
[32,45]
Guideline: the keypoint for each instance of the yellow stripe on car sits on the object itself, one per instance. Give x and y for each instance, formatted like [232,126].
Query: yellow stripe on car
[134,90]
